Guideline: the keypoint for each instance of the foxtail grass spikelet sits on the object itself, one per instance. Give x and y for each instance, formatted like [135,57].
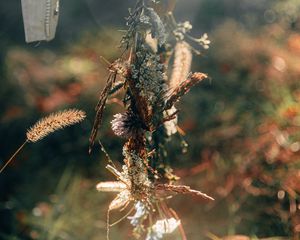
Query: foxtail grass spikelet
[182,64]
[47,125]
[183,88]
[54,122]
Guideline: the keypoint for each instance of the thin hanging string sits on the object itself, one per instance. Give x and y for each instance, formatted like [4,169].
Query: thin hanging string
[13,156]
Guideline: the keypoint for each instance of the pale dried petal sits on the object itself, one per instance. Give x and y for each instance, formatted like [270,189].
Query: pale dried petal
[120,201]
[111,186]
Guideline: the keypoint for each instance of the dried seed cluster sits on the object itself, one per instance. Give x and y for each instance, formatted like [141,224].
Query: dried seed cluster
[148,74]
[54,122]
[182,64]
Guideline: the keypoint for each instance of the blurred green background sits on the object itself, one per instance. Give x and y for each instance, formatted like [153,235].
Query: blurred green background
[242,125]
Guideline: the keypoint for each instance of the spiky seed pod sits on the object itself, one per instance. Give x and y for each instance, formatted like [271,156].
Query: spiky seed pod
[54,122]
[126,124]
[182,64]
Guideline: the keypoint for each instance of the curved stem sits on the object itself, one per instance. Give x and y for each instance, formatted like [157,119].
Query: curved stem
[13,156]
[122,218]
[107,224]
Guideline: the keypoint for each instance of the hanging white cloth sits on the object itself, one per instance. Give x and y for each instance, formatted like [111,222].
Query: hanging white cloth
[40,19]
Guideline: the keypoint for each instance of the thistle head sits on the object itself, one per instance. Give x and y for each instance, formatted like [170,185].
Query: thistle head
[126,124]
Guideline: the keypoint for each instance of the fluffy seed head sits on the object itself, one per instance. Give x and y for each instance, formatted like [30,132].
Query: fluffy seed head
[54,122]
[182,64]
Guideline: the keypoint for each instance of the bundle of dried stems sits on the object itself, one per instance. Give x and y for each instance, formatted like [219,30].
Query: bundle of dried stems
[150,117]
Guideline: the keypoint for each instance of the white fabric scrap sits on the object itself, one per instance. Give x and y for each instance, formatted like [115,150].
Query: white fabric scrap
[40,19]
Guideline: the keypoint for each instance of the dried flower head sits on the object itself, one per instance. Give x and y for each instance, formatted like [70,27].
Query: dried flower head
[137,173]
[54,122]
[203,40]
[126,124]
[182,29]
[149,75]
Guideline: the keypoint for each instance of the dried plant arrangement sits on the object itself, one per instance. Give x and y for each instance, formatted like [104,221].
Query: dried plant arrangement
[153,42]
[47,125]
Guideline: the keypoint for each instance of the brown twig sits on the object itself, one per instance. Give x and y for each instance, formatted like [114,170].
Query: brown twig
[100,108]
